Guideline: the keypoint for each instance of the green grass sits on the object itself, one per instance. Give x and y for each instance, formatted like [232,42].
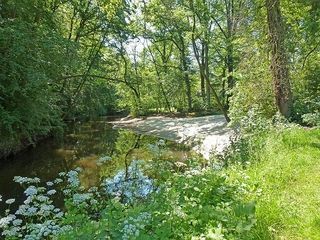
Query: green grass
[288,172]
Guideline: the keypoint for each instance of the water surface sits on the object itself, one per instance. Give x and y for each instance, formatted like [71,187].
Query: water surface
[82,145]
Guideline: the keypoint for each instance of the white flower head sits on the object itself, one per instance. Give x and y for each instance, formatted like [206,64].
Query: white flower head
[17,222]
[6,220]
[51,192]
[31,191]
[10,201]
[49,184]
[58,180]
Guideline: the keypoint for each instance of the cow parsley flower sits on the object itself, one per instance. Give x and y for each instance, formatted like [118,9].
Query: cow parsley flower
[49,184]
[20,180]
[31,211]
[80,198]
[31,191]
[7,220]
[17,222]
[28,200]
[51,192]
[42,198]
[59,215]
[134,186]
[73,178]
[10,201]
[58,180]
[35,180]
[66,191]
[161,142]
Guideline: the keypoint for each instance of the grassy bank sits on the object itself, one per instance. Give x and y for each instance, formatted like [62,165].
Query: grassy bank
[286,167]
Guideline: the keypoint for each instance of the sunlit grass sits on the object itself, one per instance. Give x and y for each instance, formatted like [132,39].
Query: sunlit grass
[288,174]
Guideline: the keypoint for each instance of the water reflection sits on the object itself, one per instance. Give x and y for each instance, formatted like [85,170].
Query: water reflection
[83,145]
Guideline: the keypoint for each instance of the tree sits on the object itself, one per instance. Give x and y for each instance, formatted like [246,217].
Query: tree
[279,62]
[201,40]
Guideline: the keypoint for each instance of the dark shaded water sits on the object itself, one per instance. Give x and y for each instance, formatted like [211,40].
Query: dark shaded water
[82,145]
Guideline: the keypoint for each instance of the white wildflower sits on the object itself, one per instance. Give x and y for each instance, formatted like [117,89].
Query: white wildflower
[35,180]
[7,220]
[20,180]
[80,198]
[49,184]
[56,210]
[42,198]
[58,180]
[31,211]
[31,191]
[51,192]
[59,215]
[17,222]
[161,142]
[66,191]
[28,200]
[10,201]
[73,178]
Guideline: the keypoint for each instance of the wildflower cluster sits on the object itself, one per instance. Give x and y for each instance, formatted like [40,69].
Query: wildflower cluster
[37,217]
[133,226]
[129,185]
[196,203]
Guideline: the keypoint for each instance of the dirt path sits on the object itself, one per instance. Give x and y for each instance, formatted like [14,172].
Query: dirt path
[204,134]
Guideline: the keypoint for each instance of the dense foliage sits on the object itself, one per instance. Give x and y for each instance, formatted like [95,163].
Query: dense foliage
[250,199]
[254,61]
[79,58]
[195,203]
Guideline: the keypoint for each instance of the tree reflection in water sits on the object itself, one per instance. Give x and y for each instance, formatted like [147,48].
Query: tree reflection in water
[84,145]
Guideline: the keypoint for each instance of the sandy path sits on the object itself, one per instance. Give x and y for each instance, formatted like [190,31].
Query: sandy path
[204,134]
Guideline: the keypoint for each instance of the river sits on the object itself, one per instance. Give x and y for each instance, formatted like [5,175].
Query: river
[82,145]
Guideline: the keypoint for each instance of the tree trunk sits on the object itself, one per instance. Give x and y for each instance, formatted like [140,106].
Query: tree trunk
[206,67]
[229,40]
[203,90]
[230,77]
[186,76]
[279,64]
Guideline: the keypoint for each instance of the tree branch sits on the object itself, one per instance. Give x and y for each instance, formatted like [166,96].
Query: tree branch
[309,53]
[93,76]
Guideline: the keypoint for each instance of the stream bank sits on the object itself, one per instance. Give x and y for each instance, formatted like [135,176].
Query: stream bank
[205,135]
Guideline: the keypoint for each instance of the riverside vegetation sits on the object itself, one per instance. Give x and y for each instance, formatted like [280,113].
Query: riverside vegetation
[254,193]
[256,62]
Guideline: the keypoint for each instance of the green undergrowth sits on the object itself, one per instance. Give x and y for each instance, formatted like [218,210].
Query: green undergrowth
[268,190]
[191,202]
[193,205]
[284,165]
